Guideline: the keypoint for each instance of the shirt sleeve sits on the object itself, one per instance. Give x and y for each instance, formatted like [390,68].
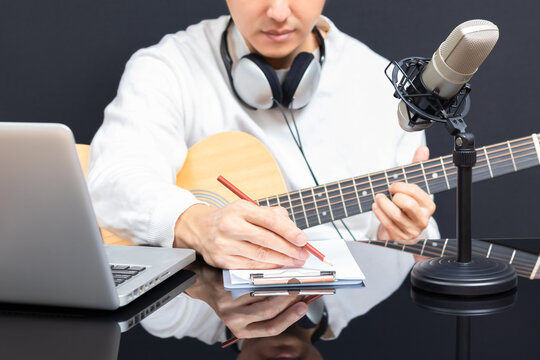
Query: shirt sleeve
[186,317]
[137,153]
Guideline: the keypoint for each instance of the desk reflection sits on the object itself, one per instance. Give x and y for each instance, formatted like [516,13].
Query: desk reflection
[275,326]
[37,332]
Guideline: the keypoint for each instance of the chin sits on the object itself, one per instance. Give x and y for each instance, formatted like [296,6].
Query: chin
[276,52]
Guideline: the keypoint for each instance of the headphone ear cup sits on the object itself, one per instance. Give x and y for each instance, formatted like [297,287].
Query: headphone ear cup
[256,82]
[302,80]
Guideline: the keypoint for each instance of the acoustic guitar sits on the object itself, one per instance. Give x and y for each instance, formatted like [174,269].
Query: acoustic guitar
[245,161]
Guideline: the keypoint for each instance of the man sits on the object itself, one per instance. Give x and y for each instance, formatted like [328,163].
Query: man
[178,92]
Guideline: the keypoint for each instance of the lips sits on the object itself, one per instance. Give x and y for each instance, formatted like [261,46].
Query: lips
[278,35]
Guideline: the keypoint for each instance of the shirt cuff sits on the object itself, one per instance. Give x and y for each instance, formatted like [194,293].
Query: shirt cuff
[165,215]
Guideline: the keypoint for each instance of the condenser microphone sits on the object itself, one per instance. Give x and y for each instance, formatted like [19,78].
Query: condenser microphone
[435,88]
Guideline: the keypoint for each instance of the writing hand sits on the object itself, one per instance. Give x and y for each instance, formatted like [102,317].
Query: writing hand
[242,236]
[406,215]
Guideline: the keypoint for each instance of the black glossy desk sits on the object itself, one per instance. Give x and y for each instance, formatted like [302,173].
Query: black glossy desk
[395,328]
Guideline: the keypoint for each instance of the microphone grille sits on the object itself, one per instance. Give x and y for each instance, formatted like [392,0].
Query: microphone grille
[468,45]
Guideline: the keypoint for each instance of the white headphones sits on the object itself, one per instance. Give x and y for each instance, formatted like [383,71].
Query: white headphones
[257,86]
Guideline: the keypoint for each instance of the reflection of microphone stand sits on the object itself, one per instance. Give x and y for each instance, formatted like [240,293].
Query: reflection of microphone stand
[463,308]
[464,275]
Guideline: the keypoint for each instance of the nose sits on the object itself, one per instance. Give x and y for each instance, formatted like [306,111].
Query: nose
[279,10]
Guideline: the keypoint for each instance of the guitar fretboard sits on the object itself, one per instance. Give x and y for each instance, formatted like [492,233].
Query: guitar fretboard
[525,263]
[329,202]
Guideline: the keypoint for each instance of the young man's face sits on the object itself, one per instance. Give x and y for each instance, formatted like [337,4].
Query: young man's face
[276,29]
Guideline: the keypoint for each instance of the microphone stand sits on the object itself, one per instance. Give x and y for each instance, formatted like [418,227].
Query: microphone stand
[463,308]
[465,275]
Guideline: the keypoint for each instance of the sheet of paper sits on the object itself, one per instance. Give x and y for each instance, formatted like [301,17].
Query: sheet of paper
[335,250]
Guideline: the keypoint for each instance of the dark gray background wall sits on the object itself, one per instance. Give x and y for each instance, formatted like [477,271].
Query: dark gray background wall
[60,61]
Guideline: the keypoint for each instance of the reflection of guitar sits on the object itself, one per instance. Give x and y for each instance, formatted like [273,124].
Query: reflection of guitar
[245,161]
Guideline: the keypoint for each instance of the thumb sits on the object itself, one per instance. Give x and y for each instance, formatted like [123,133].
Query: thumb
[421,154]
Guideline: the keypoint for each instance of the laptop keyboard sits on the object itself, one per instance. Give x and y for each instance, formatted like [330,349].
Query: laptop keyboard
[122,273]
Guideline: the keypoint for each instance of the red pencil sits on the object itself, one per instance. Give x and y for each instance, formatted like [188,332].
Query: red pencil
[243,196]
[234,339]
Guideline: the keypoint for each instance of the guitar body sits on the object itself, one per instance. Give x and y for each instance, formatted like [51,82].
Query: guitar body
[239,157]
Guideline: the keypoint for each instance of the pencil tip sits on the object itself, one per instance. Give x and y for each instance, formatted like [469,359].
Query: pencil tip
[328,262]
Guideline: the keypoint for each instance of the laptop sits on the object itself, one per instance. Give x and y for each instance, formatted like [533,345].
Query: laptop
[51,250]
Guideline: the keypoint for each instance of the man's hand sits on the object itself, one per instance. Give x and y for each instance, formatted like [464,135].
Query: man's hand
[246,316]
[405,216]
[242,236]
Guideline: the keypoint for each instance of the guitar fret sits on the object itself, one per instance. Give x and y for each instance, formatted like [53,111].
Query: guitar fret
[434,174]
[338,208]
[425,179]
[350,197]
[417,175]
[289,207]
[404,174]
[444,247]
[343,199]
[298,210]
[512,258]
[511,155]
[535,270]
[304,209]
[489,250]
[316,206]
[487,160]
[525,153]
[501,159]
[357,195]
[310,207]
[321,199]
[329,205]
[371,186]
[386,176]
[423,246]
[292,209]
[536,145]
[444,171]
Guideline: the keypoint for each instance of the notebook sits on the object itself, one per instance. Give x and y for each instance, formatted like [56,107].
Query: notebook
[345,270]
[51,250]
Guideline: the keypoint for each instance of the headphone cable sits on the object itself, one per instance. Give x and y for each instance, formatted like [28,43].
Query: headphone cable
[298,143]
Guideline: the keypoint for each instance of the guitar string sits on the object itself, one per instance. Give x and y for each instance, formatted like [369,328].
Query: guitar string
[311,213]
[363,197]
[436,161]
[357,191]
[482,162]
[298,143]
[479,167]
[433,250]
[525,269]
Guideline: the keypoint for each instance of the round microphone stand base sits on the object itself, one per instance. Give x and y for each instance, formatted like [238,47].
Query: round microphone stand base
[479,276]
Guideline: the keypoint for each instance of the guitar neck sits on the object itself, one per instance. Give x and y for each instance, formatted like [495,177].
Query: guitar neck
[337,200]
[525,263]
